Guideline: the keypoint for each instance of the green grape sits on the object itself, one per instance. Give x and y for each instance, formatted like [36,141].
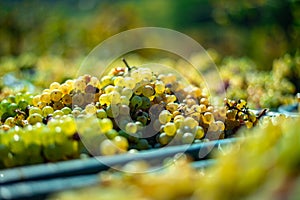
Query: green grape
[170,129]
[111,134]
[52,152]
[10,121]
[58,113]
[164,117]
[107,147]
[66,110]
[119,81]
[17,145]
[146,103]
[35,118]
[109,89]
[33,110]
[143,144]
[22,104]
[148,91]
[105,80]
[11,109]
[164,139]
[159,87]
[55,95]
[124,100]
[143,119]
[208,118]
[4,105]
[114,97]
[187,138]
[131,128]
[47,110]
[105,125]
[136,101]
[36,99]
[90,109]
[4,150]
[213,127]
[190,122]
[104,99]
[45,97]
[79,85]
[112,111]
[199,132]
[127,92]
[65,88]
[101,113]
[121,142]
[33,149]
[129,82]
[54,85]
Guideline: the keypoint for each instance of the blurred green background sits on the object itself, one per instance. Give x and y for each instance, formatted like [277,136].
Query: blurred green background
[260,29]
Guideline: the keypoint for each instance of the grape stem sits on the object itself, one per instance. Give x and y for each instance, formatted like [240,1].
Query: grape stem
[125,62]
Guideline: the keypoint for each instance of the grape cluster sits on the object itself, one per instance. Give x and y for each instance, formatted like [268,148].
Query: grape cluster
[260,88]
[133,108]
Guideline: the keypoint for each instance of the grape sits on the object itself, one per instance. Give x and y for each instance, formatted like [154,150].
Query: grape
[78,99]
[65,88]
[111,134]
[131,128]
[22,104]
[67,99]
[148,91]
[124,100]
[170,129]
[127,92]
[79,85]
[199,132]
[11,109]
[190,122]
[57,105]
[112,111]
[105,125]
[47,110]
[165,116]
[35,118]
[121,142]
[136,101]
[119,81]
[58,113]
[55,95]
[104,99]
[146,103]
[101,114]
[159,87]
[54,85]
[124,110]
[208,118]
[187,138]
[129,82]
[45,97]
[107,147]
[66,110]
[33,110]
[105,80]
[90,109]
[164,139]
